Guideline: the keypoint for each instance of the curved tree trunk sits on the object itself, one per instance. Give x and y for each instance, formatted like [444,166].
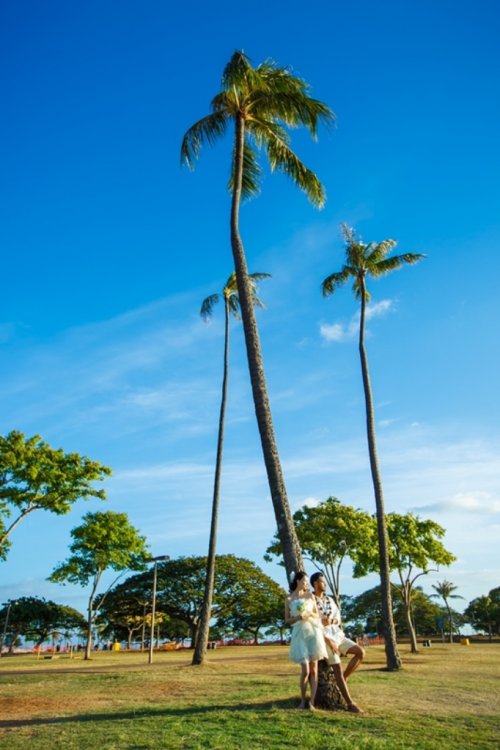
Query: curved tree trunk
[391,650]
[291,550]
[204,626]
[411,628]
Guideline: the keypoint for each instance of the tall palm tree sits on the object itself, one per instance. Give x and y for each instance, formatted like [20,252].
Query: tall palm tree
[445,589]
[231,307]
[362,261]
[261,102]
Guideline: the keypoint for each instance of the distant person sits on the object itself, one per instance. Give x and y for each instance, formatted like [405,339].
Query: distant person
[336,641]
[307,643]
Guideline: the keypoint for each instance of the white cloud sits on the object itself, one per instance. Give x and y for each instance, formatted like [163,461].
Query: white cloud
[383,423]
[340,332]
[468,502]
[379,309]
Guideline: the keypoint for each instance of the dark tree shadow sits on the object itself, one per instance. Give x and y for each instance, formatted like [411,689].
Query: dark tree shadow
[145,713]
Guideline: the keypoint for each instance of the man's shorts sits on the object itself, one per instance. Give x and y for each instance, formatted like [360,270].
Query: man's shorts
[344,646]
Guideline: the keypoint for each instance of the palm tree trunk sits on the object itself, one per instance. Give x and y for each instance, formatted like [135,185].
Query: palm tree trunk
[206,610]
[393,659]
[450,619]
[291,550]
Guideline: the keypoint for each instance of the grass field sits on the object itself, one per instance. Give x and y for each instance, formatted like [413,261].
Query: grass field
[246,697]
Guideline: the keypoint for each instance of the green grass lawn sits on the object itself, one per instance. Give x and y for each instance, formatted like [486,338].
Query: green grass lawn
[246,697]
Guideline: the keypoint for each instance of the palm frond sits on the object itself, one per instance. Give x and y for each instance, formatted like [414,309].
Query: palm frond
[282,157]
[235,69]
[254,278]
[206,130]
[260,128]
[233,302]
[334,280]
[349,234]
[225,101]
[356,255]
[231,291]
[394,262]
[207,306]
[379,251]
[259,276]
[287,98]
[240,76]
[294,110]
[252,173]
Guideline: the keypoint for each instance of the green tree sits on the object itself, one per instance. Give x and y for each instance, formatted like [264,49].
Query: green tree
[103,541]
[444,590]
[34,476]
[263,607]
[121,616]
[181,586]
[414,544]
[35,619]
[328,533]
[363,613]
[261,102]
[363,261]
[231,306]
[483,613]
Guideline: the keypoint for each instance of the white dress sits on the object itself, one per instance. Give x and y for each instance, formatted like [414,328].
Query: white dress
[307,642]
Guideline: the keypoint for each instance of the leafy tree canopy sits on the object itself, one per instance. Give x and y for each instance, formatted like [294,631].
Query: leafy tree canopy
[483,612]
[328,533]
[104,540]
[34,476]
[35,619]
[181,585]
[414,545]
[364,612]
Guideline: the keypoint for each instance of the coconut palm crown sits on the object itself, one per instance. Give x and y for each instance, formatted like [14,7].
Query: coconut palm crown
[268,98]
[364,260]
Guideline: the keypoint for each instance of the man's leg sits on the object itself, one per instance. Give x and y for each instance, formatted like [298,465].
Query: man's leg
[358,654]
[342,685]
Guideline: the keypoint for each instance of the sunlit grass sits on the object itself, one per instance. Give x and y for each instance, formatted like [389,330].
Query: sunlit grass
[246,697]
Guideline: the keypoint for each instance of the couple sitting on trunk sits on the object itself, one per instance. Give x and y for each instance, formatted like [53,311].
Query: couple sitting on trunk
[317,634]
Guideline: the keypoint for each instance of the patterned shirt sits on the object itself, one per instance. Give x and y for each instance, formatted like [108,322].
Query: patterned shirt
[328,608]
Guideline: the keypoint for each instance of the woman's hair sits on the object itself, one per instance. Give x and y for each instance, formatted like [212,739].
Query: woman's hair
[296,577]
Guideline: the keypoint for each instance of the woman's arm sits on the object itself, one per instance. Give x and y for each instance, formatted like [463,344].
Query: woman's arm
[288,618]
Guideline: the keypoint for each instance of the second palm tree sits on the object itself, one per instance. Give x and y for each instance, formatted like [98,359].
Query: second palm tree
[231,306]
[361,261]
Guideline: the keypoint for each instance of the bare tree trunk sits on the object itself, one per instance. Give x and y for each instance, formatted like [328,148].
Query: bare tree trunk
[206,610]
[328,694]
[392,656]
[289,543]
[88,645]
[411,629]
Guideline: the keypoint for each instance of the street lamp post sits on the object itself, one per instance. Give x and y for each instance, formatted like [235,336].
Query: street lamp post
[156,560]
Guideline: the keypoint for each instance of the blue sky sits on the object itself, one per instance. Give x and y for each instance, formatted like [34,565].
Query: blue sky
[108,249]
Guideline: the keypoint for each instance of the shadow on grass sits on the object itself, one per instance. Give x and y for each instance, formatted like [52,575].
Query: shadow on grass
[286,704]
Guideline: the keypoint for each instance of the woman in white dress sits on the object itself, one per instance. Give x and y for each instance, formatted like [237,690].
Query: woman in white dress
[307,644]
